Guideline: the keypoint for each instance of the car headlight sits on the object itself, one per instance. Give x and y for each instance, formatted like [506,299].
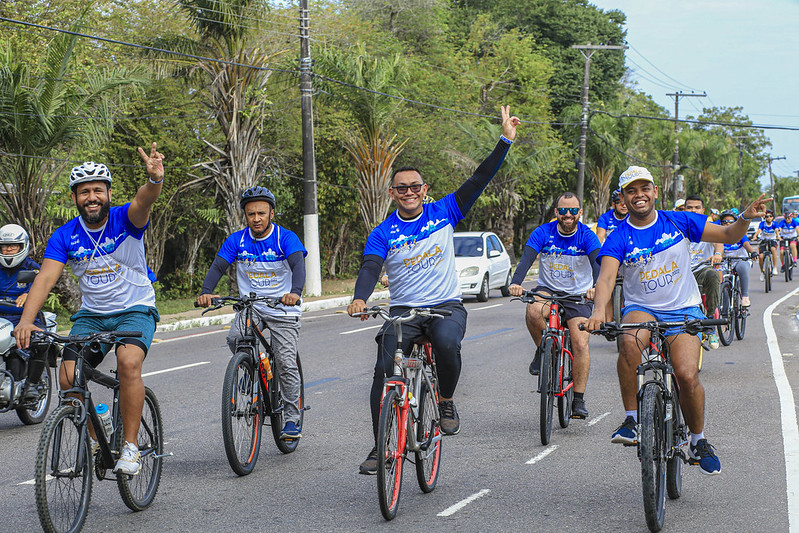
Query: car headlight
[469,271]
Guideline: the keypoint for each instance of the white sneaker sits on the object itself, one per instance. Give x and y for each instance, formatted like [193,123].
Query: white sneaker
[130,460]
[775,272]
[762,277]
[745,301]
[94,446]
[713,341]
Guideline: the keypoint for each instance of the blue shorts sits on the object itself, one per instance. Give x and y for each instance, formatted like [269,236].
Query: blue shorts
[668,316]
[137,318]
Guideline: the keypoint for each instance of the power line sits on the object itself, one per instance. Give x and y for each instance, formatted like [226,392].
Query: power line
[702,122]
[634,49]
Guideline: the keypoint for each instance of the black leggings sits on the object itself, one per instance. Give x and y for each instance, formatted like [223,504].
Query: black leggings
[445,334]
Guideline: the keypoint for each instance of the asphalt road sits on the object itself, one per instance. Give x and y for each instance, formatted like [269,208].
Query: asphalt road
[496,468]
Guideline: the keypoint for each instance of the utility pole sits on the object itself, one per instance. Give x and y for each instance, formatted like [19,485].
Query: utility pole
[675,165]
[313,263]
[771,177]
[587,50]
[739,144]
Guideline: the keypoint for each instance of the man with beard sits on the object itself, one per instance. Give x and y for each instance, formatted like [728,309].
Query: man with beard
[567,265]
[104,247]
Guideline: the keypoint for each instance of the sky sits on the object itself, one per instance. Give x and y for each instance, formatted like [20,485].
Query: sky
[741,52]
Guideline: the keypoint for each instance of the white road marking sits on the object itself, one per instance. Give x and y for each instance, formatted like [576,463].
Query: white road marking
[790,431]
[164,341]
[486,307]
[543,454]
[597,419]
[360,329]
[463,503]
[175,368]
[337,313]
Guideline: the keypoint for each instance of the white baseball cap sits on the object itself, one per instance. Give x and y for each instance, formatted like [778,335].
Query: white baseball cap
[634,173]
[678,203]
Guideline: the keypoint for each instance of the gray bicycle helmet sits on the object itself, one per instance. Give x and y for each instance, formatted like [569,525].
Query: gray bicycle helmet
[14,234]
[729,213]
[257,193]
[89,171]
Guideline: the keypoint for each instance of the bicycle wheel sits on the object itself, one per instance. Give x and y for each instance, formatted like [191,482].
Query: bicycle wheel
[786,261]
[740,315]
[63,475]
[276,416]
[725,300]
[651,448]
[390,455]
[679,436]
[33,414]
[617,305]
[767,270]
[428,458]
[565,399]
[242,413]
[138,491]
[546,383]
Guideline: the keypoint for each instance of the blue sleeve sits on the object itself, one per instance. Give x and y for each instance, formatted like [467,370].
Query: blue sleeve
[692,224]
[133,230]
[290,243]
[56,246]
[603,221]
[229,251]
[590,240]
[376,243]
[537,238]
[454,213]
[613,246]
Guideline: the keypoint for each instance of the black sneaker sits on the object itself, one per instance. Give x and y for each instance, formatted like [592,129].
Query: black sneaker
[578,409]
[626,433]
[535,365]
[450,422]
[369,466]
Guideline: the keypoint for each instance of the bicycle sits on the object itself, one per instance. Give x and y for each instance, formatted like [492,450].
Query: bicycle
[787,258]
[768,265]
[618,303]
[252,388]
[409,415]
[555,378]
[704,341]
[662,431]
[65,459]
[730,303]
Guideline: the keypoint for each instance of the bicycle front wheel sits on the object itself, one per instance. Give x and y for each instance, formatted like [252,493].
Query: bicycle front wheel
[546,383]
[242,413]
[679,436]
[63,476]
[767,270]
[428,435]
[740,317]
[617,305]
[390,455]
[725,300]
[33,414]
[786,261]
[651,447]
[277,417]
[565,399]
[138,491]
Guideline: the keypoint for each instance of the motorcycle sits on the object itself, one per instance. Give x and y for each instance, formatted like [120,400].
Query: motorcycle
[26,381]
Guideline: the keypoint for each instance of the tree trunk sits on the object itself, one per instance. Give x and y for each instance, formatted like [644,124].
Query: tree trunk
[339,243]
[68,292]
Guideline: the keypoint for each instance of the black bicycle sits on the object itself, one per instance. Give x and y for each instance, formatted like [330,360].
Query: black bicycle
[662,431]
[65,458]
[767,267]
[787,258]
[251,391]
[730,297]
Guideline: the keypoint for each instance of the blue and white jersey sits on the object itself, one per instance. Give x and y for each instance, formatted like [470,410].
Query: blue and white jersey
[563,263]
[657,261]
[768,231]
[110,262]
[788,229]
[262,265]
[737,249]
[700,251]
[608,221]
[11,288]
[419,254]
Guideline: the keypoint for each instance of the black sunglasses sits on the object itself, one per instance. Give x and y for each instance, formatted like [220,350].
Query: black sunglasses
[572,210]
[402,189]
[727,222]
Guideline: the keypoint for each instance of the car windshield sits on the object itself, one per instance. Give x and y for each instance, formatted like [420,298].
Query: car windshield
[468,246]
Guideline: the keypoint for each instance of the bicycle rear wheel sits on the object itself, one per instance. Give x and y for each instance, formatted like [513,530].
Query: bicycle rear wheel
[651,448]
[740,316]
[565,399]
[63,475]
[277,416]
[725,300]
[138,491]
[242,413]
[428,434]
[546,384]
[617,305]
[786,261]
[679,436]
[390,455]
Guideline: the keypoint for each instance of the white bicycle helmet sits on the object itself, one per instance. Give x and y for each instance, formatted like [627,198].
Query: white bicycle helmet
[14,234]
[89,171]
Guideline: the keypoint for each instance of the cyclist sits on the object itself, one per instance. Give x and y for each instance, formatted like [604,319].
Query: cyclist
[270,261]
[415,242]
[612,217]
[788,233]
[706,277]
[104,247]
[652,245]
[743,250]
[679,205]
[567,265]
[14,249]
[768,243]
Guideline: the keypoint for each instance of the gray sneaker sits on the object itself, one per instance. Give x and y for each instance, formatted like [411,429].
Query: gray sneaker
[369,466]
[450,422]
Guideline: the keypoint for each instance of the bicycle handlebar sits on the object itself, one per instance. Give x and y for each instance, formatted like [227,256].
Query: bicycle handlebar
[217,303]
[376,311]
[692,326]
[530,297]
[106,337]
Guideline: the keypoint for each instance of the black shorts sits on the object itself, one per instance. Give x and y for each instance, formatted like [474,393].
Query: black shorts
[767,244]
[570,309]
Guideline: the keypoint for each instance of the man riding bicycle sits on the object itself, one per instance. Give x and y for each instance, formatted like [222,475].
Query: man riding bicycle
[416,245]
[612,217]
[104,247]
[270,261]
[768,232]
[742,250]
[788,234]
[567,265]
[652,246]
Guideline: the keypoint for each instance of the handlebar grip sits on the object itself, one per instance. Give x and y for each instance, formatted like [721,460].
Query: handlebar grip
[445,312]
[125,334]
[709,322]
[196,304]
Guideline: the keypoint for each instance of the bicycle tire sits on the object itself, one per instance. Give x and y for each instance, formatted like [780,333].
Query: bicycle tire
[139,491]
[679,434]
[565,400]
[725,300]
[276,417]
[428,459]
[62,498]
[651,442]
[242,413]
[786,261]
[390,455]
[790,269]
[30,416]
[546,380]
[740,316]
[617,305]
[768,270]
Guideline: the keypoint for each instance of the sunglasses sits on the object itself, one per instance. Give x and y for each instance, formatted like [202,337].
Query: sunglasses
[727,222]
[402,189]
[572,210]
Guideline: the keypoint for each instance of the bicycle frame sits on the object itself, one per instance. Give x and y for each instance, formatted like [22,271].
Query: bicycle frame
[556,330]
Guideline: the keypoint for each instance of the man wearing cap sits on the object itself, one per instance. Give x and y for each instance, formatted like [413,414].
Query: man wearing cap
[104,247]
[652,246]
[612,217]
[679,205]
[788,227]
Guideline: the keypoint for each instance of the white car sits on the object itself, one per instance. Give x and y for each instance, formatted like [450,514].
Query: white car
[482,263]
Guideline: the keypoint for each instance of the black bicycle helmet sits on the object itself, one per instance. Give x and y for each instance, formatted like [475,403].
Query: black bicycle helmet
[615,196]
[257,193]
[728,213]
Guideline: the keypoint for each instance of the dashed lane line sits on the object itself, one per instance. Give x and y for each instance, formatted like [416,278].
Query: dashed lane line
[463,503]
[543,454]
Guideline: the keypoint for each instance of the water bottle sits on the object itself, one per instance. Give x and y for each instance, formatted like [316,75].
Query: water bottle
[105,417]
[266,365]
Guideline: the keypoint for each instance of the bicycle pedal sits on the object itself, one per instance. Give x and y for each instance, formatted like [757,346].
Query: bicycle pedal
[577,417]
[629,445]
